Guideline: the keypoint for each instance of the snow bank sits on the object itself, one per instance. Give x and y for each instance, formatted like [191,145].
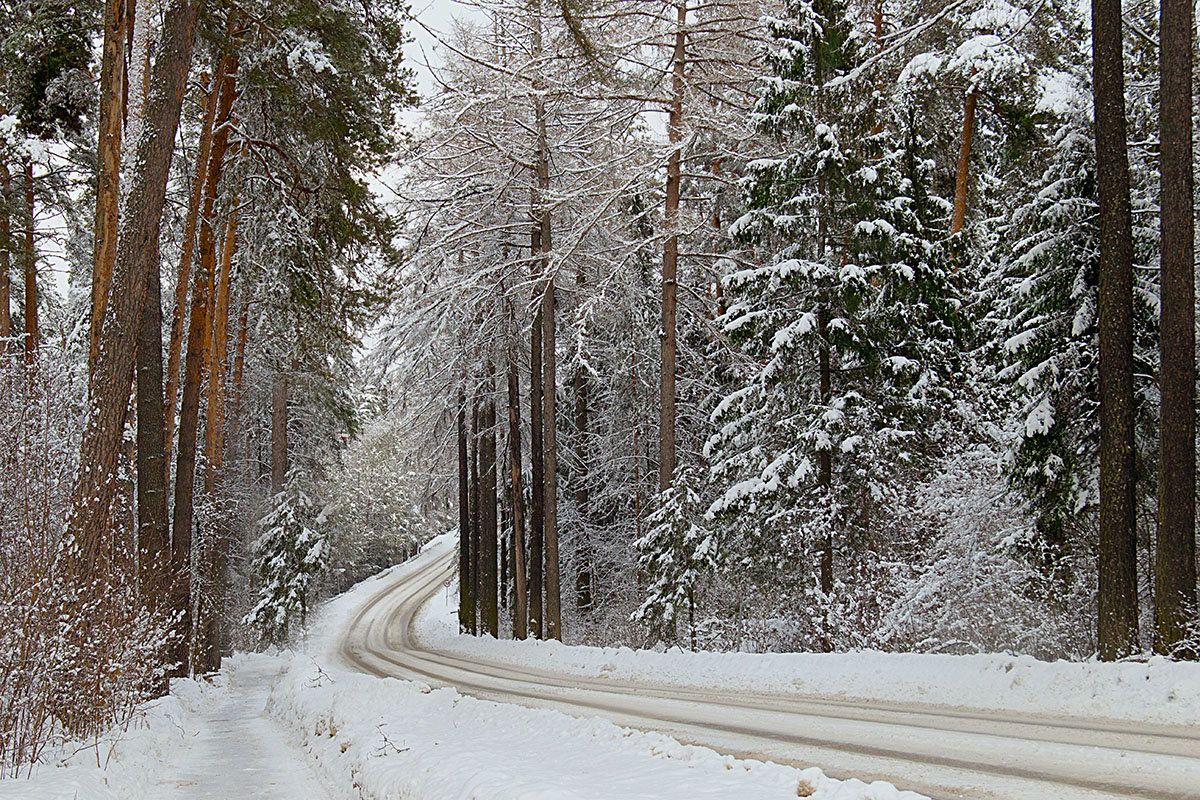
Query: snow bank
[392,738]
[126,763]
[1157,690]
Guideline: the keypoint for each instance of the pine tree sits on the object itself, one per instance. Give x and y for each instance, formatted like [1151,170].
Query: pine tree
[677,554]
[289,558]
[849,332]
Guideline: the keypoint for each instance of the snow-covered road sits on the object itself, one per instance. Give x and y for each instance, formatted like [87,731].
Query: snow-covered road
[943,752]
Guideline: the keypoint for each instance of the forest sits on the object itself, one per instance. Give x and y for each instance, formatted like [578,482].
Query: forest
[734,325]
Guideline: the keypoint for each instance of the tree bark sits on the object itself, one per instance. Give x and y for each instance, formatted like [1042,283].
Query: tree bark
[30,309]
[5,257]
[137,252]
[1175,565]
[137,256]
[536,455]
[112,102]
[825,457]
[175,344]
[239,352]
[279,432]
[487,501]
[666,420]
[964,162]
[473,611]
[464,519]
[214,429]
[583,555]
[1118,626]
[550,459]
[153,544]
[199,327]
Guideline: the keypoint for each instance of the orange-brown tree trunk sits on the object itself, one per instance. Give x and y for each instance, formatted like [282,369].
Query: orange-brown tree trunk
[218,349]
[137,256]
[666,421]
[964,163]
[112,102]
[175,344]
[199,327]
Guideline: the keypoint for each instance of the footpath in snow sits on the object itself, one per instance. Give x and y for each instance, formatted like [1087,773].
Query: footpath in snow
[206,741]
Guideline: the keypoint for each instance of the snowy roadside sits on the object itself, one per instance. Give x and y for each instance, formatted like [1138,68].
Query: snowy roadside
[1155,691]
[395,738]
[128,763]
[302,726]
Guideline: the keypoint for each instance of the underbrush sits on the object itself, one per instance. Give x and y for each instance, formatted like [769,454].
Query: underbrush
[72,662]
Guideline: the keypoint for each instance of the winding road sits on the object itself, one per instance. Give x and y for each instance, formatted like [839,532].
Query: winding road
[942,752]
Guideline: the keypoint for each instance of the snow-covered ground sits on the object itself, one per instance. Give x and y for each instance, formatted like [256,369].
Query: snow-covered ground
[205,741]
[1156,690]
[303,726]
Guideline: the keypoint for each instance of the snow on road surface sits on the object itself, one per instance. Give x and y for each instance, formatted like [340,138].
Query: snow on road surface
[1029,729]
[310,726]
[1154,691]
[305,726]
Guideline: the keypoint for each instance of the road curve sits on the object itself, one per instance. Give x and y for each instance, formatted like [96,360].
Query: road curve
[944,753]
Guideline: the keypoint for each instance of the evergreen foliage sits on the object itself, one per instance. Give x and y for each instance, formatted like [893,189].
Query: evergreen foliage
[289,558]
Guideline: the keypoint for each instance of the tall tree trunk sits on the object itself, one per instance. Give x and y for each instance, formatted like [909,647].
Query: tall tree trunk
[583,574]
[199,326]
[1175,565]
[1118,625]
[6,247]
[214,429]
[637,447]
[473,615]
[464,519]
[279,432]
[536,455]
[503,501]
[239,352]
[825,380]
[825,457]
[112,102]
[30,309]
[487,501]
[216,549]
[964,162]
[153,544]
[550,460]
[666,419]
[178,316]
[521,606]
[137,256]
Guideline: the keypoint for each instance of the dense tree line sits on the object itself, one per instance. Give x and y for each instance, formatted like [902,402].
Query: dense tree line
[178,418]
[746,324]
[848,325]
